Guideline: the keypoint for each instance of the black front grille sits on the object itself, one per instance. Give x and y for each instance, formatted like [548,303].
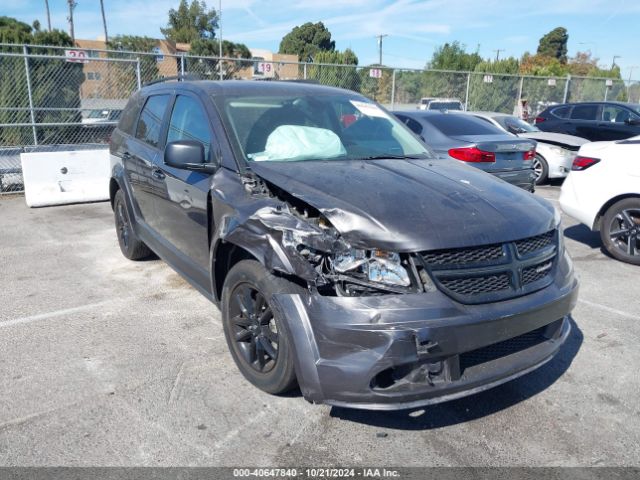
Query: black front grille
[533,244]
[493,272]
[536,272]
[477,285]
[502,349]
[464,256]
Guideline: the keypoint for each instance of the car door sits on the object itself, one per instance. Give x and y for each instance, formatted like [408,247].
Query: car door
[181,195]
[583,121]
[143,149]
[618,123]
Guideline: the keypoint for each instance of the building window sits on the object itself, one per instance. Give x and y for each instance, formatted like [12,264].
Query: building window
[94,76]
[93,54]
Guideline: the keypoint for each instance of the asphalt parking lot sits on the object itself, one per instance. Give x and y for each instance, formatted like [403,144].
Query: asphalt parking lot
[107,362]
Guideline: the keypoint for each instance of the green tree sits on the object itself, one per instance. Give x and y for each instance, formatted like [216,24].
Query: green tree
[342,77]
[208,67]
[498,95]
[191,22]
[14,31]
[453,56]
[307,40]
[554,44]
[129,46]
[54,84]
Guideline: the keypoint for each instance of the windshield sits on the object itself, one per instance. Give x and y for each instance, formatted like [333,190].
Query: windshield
[322,127]
[515,125]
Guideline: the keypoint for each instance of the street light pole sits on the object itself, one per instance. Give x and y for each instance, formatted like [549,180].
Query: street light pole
[613,63]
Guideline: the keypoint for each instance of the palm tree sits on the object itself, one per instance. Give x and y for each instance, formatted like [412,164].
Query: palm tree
[104,22]
[46,4]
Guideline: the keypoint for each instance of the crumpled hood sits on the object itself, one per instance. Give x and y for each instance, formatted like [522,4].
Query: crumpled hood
[412,205]
[555,138]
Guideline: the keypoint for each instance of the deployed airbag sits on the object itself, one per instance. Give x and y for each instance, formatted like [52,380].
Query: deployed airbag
[295,142]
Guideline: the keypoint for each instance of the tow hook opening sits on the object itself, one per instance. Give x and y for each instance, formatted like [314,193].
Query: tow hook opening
[428,373]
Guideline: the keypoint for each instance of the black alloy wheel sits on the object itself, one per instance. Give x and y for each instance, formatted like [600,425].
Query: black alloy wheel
[254,328]
[620,230]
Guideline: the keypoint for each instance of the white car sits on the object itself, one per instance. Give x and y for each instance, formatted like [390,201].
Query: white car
[555,151]
[603,192]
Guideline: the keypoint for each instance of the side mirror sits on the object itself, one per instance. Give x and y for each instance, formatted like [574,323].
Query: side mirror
[632,121]
[187,155]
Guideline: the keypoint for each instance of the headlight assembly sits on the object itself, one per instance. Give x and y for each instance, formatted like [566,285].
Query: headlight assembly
[376,266]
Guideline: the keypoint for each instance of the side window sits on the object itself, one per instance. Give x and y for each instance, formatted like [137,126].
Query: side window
[561,112]
[584,112]
[189,122]
[150,123]
[615,114]
[414,126]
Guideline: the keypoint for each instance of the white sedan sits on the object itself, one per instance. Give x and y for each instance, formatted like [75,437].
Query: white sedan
[603,192]
[555,151]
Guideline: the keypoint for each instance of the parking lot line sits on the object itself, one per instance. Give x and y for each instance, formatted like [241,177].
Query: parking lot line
[55,313]
[608,309]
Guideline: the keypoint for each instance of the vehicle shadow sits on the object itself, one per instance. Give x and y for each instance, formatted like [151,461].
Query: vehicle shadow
[475,406]
[583,234]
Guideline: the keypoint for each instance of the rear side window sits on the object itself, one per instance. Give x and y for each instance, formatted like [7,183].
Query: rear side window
[414,126]
[561,112]
[150,123]
[189,122]
[129,116]
[584,112]
[457,124]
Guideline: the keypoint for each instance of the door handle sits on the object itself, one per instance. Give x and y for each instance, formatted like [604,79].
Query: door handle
[157,174]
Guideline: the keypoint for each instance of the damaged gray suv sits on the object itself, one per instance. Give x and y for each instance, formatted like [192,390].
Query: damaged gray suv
[345,257]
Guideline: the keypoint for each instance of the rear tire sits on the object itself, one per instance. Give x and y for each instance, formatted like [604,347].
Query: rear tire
[541,168]
[258,339]
[130,245]
[620,230]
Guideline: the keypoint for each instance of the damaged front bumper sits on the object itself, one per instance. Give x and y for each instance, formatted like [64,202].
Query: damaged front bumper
[404,351]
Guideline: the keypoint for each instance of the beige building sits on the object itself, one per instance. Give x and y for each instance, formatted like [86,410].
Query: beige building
[104,80]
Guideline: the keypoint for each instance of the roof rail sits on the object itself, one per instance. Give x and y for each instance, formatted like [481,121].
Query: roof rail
[178,78]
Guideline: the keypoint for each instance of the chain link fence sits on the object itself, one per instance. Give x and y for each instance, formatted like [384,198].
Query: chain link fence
[52,98]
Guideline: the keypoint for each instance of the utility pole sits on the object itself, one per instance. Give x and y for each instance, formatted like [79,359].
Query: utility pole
[613,63]
[72,5]
[380,37]
[46,4]
[104,22]
[220,32]
[498,53]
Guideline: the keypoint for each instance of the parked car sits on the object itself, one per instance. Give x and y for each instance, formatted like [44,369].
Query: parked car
[595,121]
[102,116]
[474,141]
[347,258]
[603,192]
[432,103]
[554,151]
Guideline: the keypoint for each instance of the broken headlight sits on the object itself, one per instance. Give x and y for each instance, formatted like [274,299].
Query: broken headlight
[375,266]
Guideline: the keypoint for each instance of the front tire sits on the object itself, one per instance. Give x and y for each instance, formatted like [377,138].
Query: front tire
[620,230]
[258,339]
[541,169]
[130,245]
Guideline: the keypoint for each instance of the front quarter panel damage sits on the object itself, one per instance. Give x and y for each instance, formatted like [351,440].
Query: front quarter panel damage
[248,215]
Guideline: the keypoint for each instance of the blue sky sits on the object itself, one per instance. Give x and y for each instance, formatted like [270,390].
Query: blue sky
[415,27]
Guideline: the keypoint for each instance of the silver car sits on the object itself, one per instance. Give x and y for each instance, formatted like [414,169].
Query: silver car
[555,151]
[475,142]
